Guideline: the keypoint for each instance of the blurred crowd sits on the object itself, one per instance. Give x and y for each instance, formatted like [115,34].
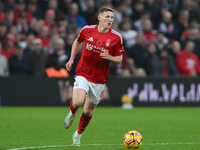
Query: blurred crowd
[161,37]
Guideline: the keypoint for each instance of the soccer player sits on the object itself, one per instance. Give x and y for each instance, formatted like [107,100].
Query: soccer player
[102,45]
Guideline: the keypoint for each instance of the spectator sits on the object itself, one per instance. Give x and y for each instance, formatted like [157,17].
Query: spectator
[174,49]
[3,30]
[189,34]
[90,13]
[13,30]
[37,59]
[149,59]
[153,9]
[164,8]
[165,65]
[138,24]
[57,61]
[128,11]
[75,17]
[59,58]
[18,63]
[149,32]
[137,51]
[129,71]
[168,27]
[43,35]
[9,18]
[4,71]
[51,47]
[138,10]
[35,24]
[63,22]
[62,32]
[69,41]
[182,23]
[128,34]
[64,6]
[161,41]
[2,17]
[32,8]
[126,68]
[21,39]
[188,62]
[22,24]
[9,48]
[119,11]
[21,9]
[38,26]
[54,30]
[29,41]
[49,19]
[53,5]
[193,11]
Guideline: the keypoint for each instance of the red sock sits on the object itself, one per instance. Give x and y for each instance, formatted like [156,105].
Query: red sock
[73,110]
[84,121]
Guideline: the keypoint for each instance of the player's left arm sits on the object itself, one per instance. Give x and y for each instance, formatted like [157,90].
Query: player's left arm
[114,59]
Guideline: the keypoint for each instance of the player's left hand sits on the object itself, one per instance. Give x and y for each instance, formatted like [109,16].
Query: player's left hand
[105,55]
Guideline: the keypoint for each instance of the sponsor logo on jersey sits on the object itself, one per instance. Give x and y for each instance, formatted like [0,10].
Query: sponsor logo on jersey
[89,46]
[90,39]
[94,48]
[108,42]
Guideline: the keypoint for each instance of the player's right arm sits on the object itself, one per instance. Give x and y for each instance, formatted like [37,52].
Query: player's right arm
[75,48]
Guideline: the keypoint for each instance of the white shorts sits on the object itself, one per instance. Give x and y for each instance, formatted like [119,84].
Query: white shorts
[94,91]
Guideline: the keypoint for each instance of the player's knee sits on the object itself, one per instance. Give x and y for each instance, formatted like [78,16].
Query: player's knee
[77,104]
[87,112]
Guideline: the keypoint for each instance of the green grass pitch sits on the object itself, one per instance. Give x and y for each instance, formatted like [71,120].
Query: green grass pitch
[42,128]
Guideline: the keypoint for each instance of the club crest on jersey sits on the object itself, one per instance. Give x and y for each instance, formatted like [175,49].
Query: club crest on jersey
[108,42]
[99,43]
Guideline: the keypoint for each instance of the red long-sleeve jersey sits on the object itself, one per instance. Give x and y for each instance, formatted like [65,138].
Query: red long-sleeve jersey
[187,62]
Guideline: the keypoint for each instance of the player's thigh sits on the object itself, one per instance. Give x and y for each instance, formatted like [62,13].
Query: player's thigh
[95,92]
[78,96]
[88,107]
[79,91]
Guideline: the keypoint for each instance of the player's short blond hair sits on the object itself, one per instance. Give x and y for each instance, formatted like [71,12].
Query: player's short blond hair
[104,9]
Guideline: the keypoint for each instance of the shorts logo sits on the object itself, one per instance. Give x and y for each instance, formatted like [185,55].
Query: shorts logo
[99,43]
[108,42]
[76,83]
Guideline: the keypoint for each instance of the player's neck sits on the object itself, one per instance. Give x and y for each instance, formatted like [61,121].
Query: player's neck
[102,29]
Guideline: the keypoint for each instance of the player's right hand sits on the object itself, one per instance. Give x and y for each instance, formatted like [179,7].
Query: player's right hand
[69,65]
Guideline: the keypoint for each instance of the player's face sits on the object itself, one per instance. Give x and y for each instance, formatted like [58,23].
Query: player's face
[106,19]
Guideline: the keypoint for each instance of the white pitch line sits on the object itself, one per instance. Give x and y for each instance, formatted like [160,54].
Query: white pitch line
[60,146]
[38,147]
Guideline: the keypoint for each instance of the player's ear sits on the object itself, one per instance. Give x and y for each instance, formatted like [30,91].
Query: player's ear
[99,17]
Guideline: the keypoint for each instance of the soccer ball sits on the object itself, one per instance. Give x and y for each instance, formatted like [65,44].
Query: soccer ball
[133,139]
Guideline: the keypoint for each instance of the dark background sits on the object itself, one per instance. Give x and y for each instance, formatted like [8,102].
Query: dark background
[45,91]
